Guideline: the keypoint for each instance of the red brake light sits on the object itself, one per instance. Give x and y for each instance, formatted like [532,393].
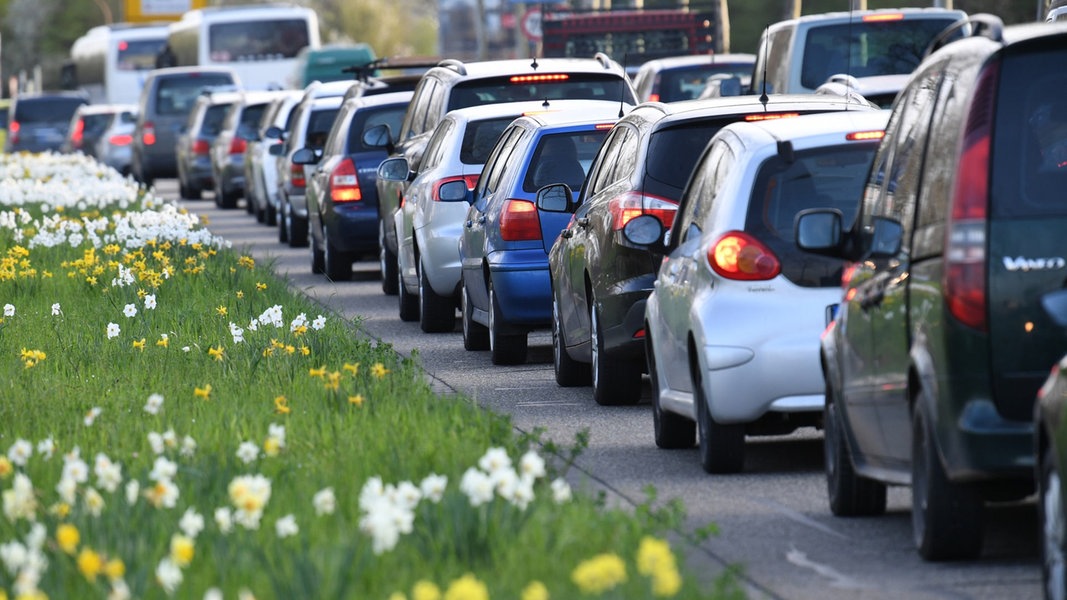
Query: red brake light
[770,116]
[238,145]
[78,135]
[653,97]
[864,136]
[632,204]
[148,133]
[738,255]
[965,245]
[539,78]
[344,183]
[123,45]
[470,180]
[121,139]
[884,17]
[520,221]
[201,147]
[296,175]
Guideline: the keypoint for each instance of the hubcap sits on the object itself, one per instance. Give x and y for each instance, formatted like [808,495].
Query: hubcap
[594,347]
[1054,531]
[556,332]
[492,319]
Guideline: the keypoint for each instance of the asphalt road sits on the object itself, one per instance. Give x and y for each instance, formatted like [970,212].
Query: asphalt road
[773,520]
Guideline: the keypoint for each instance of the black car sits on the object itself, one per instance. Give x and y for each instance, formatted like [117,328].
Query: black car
[941,340]
[192,149]
[641,169]
[40,122]
[342,200]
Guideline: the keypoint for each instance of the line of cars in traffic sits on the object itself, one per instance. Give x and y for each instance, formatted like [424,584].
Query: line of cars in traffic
[770,261]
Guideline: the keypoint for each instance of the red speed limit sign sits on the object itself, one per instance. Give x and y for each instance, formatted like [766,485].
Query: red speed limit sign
[531,24]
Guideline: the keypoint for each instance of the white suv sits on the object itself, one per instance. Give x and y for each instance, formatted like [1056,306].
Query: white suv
[429,223]
[734,318]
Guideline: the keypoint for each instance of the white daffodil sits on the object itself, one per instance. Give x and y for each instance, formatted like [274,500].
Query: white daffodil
[324,502]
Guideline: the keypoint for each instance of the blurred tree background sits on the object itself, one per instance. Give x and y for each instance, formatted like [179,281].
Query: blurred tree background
[40,32]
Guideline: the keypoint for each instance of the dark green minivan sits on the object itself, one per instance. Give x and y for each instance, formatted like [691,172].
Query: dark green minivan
[941,342]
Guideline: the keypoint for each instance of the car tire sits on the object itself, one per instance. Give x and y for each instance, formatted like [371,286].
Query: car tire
[616,381]
[407,303]
[188,192]
[283,226]
[946,518]
[475,335]
[569,372]
[505,348]
[272,215]
[224,199]
[387,263]
[318,259]
[1053,527]
[850,494]
[672,431]
[297,231]
[259,212]
[337,263]
[722,447]
[437,313]
[250,207]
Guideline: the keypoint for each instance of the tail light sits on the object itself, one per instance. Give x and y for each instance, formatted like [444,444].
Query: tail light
[965,253]
[78,135]
[201,147]
[738,255]
[120,139]
[238,145]
[13,130]
[344,183]
[470,180]
[520,221]
[296,175]
[632,204]
[148,133]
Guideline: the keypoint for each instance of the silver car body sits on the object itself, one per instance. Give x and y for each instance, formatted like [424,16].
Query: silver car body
[756,342]
[261,173]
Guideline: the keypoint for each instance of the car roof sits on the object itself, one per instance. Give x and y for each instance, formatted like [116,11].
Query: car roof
[182,71]
[690,60]
[381,99]
[495,68]
[102,109]
[503,109]
[808,130]
[327,102]
[574,112]
[849,16]
[710,107]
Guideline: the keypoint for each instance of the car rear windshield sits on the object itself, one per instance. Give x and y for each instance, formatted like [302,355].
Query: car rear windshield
[686,83]
[543,86]
[139,55]
[1029,149]
[95,125]
[563,158]
[392,116]
[46,110]
[827,177]
[672,154]
[479,139]
[319,124]
[213,118]
[878,47]
[176,95]
[250,117]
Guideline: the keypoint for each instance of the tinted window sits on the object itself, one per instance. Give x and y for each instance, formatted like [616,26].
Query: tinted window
[672,154]
[495,90]
[831,177]
[139,55]
[367,118]
[257,40]
[1030,136]
[319,124]
[688,82]
[877,48]
[94,125]
[46,110]
[563,158]
[176,95]
[250,116]
[213,117]
[479,139]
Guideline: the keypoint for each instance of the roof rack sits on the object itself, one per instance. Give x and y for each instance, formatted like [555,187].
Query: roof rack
[454,64]
[982,25]
[365,71]
[603,59]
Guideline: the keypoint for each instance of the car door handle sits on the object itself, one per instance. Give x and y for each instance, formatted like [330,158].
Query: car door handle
[583,222]
[469,224]
[481,220]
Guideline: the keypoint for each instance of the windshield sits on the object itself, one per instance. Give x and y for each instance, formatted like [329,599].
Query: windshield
[139,55]
[553,86]
[257,40]
[877,48]
[46,110]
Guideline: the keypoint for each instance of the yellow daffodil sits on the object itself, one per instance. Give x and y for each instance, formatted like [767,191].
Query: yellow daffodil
[271,446]
[599,574]
[351,368]
[425,590]
[535,590]
[181,550]
[268,351]
[204,392]
[90,564]
[138,345]
[379,370]
[163,340]
[216,353]
[319,372]
[357,399]
[290,349]
[281,405]
[333,381]
[300,330]
[261,286]
[240,294]
[467,588]
[6,468]
[114,569]
[246,261]
[67,537]
[221,310]
[60,509]
[304,350]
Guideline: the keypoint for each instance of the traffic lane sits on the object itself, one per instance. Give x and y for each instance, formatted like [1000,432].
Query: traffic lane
[773,518]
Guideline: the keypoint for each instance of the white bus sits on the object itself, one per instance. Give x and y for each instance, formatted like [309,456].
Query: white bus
[259,42]
[109,62]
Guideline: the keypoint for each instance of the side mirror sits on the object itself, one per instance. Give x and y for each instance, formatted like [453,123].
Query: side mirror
[275,149]
[455,191]
[394,169]
[305,156]
[379,136]
[274,133]
[818,230]
[556,198]
[644,230]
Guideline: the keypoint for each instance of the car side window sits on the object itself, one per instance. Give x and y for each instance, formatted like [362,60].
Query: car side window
[699,196]
[929,236]
[436,110]
[417,114]
[603,165]
[494,167]
[435,147]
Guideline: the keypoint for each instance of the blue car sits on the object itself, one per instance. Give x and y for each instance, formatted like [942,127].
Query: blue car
[506,289]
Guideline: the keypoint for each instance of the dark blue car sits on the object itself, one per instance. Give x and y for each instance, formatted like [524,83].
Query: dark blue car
[341,194]
[506,290]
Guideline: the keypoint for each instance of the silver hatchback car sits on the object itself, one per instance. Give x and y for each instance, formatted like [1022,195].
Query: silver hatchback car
[734,319]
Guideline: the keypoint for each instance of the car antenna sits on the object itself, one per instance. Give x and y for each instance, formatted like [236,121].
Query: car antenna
[763,96]
[622,91]
[540,47]
[848,58]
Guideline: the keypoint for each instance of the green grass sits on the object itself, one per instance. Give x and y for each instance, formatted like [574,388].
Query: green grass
[401,431]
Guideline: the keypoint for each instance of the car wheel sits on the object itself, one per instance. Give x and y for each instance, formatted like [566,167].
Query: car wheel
[250,207]
[615,382]
[1053,529]
[946,518]
[224,199]
[672,430]
[408,303]
[850,495]
[188,192]
[318,259]
[722,447]
[387,263]
[283,226]
[475,335]
[272,215]
[337,263]
[259,212]
[569,372]
[505,348]
[437,314]
[297,231]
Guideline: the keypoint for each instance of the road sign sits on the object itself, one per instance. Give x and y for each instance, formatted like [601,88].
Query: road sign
[531,24]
